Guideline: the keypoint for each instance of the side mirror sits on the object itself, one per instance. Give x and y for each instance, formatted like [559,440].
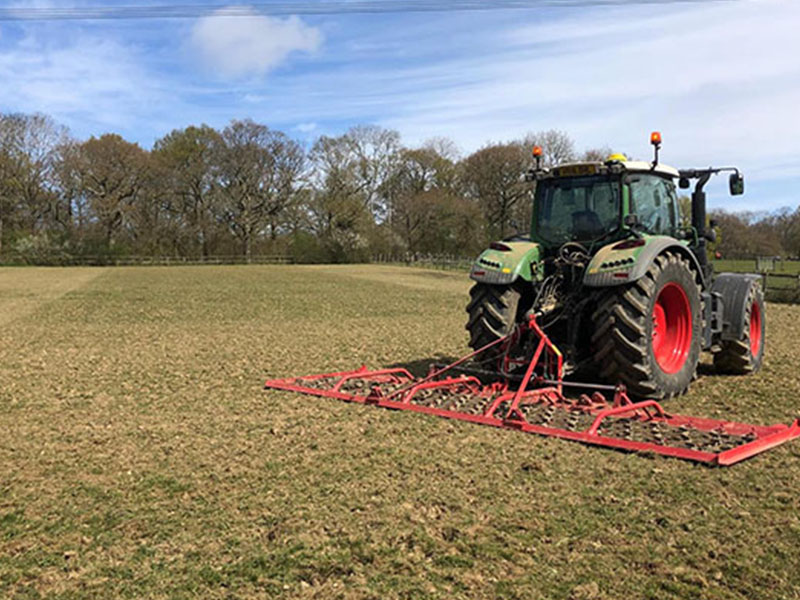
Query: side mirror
[712,223]
[683,183]
[736,184]
[631,221]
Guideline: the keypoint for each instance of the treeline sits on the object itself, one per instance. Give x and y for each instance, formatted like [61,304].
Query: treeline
[749,234]
[248,189]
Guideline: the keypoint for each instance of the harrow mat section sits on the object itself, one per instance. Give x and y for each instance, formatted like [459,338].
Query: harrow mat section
[622,424]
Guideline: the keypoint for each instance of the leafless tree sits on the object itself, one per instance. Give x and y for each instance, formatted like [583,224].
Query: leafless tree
[259,173]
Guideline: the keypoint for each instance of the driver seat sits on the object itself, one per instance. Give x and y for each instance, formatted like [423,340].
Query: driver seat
[586,224]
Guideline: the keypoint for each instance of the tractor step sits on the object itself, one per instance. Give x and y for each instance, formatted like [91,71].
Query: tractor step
[535,403]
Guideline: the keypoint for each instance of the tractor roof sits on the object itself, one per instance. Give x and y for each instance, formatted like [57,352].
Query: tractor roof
[636,166]
[640,165]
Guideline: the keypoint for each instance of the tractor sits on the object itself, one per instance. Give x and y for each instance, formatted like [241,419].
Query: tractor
[610,284]
[619,279]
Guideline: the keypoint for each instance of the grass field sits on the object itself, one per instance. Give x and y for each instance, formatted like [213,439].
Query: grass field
[140,458]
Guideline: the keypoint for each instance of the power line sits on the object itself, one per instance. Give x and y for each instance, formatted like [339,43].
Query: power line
[318,7]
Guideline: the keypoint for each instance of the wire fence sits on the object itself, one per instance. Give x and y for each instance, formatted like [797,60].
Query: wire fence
[445,262]
[146,261]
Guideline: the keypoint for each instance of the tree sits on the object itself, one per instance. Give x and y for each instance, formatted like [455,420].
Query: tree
[259,173]
[185,164]
[492,177]
[338,207]
[8,169]
[425,198]
[28,160]
[107,173]
[373,152]
[597,154]
[793,235]
[557,146]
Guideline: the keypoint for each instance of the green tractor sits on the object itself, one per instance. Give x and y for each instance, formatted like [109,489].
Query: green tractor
[617,280]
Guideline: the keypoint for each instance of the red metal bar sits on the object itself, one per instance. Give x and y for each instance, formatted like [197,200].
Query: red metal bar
[618,410]
[761,444]
[363,373]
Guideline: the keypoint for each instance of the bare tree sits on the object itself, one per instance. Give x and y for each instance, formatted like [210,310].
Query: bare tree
[29,156]
[107,173]
[259,172]
[597,154]
[557,146]
[492,178]
[424,184]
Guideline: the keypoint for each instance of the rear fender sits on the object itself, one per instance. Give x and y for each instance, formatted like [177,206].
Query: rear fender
[505,262]
[623,262]
[733,290]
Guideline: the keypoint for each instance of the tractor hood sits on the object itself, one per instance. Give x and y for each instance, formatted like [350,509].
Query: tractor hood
[505,262]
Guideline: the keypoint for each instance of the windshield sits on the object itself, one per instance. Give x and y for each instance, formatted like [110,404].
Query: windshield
[580,209]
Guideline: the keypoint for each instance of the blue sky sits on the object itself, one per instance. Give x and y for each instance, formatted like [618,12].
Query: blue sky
[720,80]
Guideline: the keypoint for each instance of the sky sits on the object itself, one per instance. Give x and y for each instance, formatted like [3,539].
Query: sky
[720,80]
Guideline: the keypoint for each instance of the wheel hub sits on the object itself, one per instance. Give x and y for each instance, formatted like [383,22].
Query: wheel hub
[672,328]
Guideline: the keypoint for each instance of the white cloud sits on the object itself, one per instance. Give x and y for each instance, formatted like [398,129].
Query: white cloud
[306,127]
[240,46]
[89,81]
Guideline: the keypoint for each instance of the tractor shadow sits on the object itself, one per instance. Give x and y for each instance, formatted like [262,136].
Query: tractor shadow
[421,367]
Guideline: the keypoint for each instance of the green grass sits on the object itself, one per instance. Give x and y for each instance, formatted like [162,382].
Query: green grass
[141,458]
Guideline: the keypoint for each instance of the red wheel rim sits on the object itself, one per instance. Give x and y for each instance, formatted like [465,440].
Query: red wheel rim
[755,329]
[672,328]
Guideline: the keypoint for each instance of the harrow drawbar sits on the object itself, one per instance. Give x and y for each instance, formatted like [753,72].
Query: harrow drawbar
[538,405]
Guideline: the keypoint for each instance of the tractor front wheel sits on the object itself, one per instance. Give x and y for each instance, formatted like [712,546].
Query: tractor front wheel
[647,334]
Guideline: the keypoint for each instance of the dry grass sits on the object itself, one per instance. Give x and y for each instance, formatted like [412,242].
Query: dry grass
[141,458]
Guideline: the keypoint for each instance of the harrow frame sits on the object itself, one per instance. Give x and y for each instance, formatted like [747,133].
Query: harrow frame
[538,405]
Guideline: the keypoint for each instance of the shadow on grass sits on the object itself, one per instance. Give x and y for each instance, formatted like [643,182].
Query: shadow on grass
[421,367]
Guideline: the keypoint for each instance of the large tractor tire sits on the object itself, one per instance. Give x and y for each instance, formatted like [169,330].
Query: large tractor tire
[492,314]
[745,355]
[647,335]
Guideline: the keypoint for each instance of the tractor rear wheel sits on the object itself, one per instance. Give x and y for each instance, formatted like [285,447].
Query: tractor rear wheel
[745,355]
[647,335]
[492,314]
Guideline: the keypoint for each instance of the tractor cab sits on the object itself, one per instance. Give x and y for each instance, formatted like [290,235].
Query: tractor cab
[593,202]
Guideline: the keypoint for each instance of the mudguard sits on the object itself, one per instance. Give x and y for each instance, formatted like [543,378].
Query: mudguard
[623,262]
[733,290]
[504,262]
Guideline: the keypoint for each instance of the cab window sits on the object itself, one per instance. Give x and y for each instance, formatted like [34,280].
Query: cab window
[653,201]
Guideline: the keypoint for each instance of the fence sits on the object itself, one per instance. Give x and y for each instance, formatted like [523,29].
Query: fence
[125,261]
[430,261]
[781,278]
